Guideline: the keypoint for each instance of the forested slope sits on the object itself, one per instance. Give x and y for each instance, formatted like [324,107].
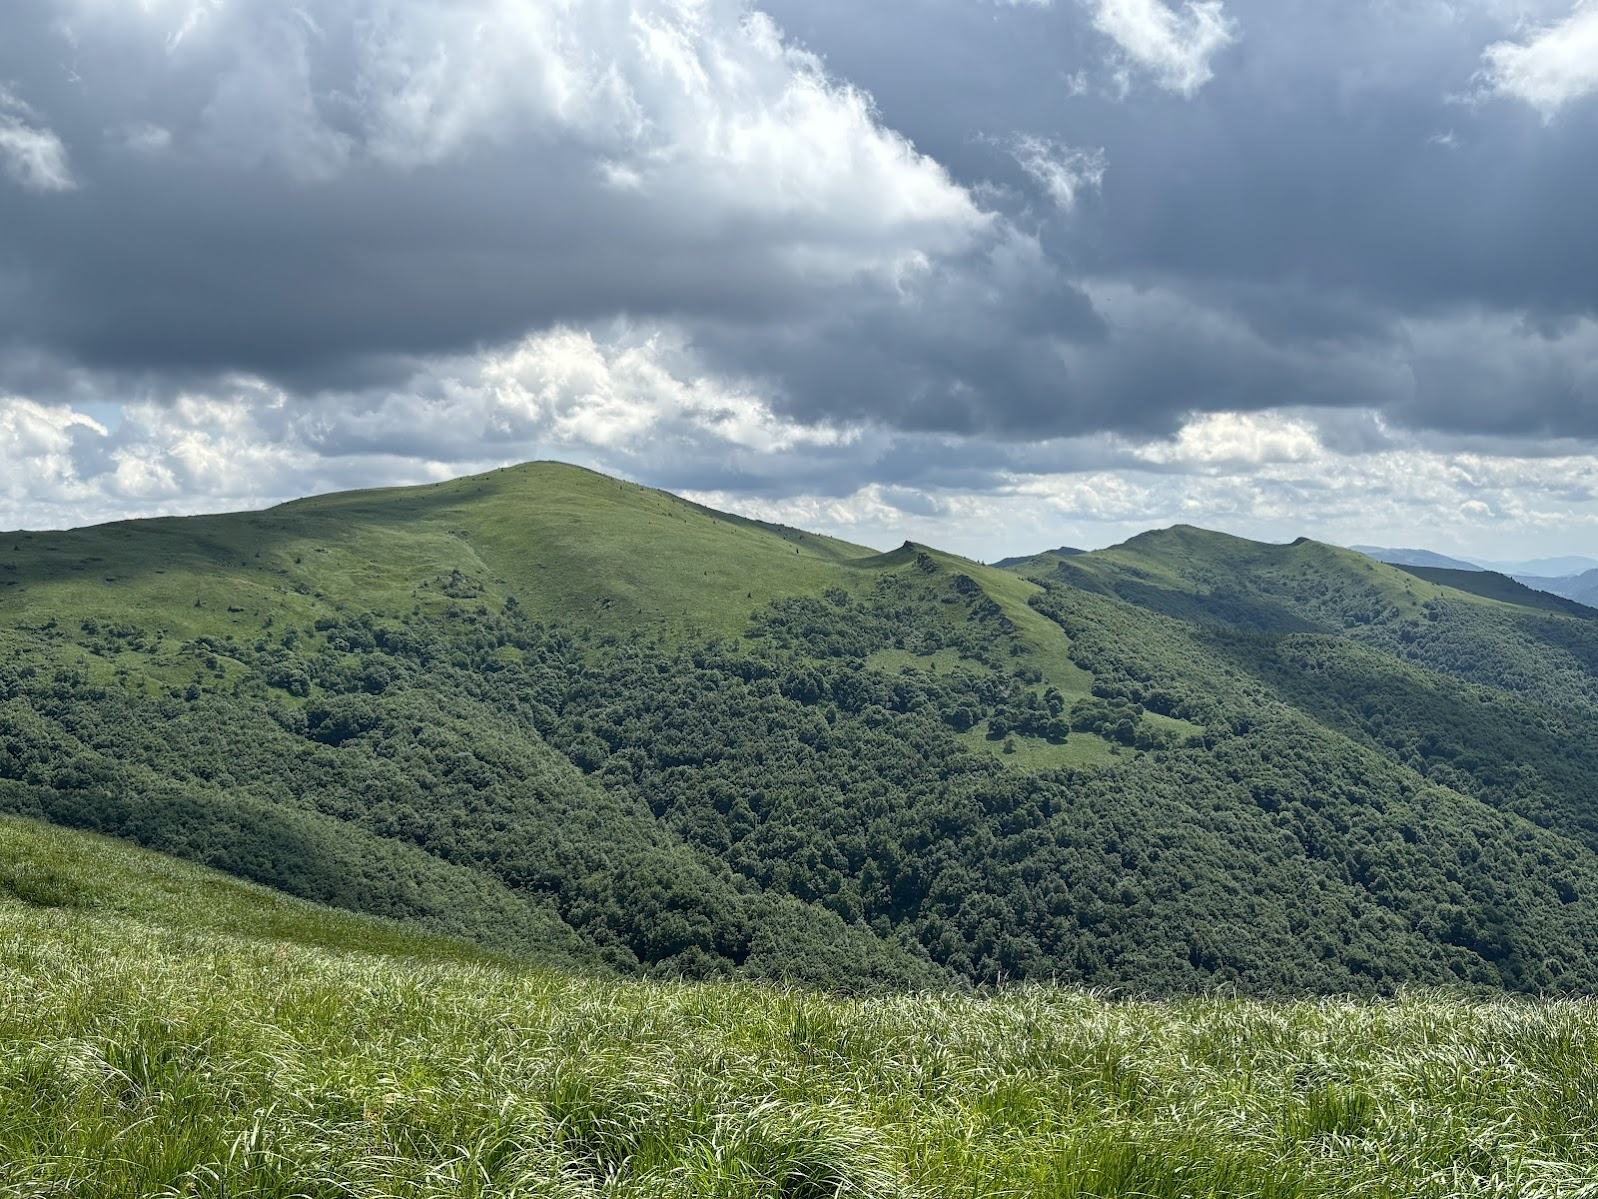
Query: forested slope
[575,719]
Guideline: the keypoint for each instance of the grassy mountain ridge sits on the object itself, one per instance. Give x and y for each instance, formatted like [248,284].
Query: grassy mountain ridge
[1477,626]
[576,544]
[1491,585]
[1063,551]
[576,719]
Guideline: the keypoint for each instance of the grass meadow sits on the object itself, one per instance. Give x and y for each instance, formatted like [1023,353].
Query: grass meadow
[142,1054]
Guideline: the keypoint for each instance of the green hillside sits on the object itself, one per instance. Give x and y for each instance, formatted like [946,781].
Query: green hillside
[579,721]
[1476,626]
[169,1032]
[1492,585]
[568,542]
[110,883]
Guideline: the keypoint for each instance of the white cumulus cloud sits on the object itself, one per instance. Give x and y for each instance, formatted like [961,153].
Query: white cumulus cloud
[1551,65]
[1237,439]
[39,470]
[1174,46]
[622,394]
[700,108]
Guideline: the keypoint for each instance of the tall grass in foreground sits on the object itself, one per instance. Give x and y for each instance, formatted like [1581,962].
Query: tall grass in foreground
[137,1059]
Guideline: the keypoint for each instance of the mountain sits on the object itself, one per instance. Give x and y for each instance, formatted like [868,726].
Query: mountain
[1582,588]
[1492,585]
[1549,568]
[1573,578]
[1064,551]
[586,723]
[1415,558]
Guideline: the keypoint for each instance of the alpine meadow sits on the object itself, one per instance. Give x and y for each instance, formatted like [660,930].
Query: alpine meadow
[538,833]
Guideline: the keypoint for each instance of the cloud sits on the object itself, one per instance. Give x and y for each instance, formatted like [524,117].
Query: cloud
[31,154]
[633,401]
[145,139]
[1280,238]
[640,402]
[265,110]
[1063,172]
[1282,480]
[1552,66]
[1502,375]
[798,254]
[1220,440]
[40,446]
[306,200]
[977,345]
[1173,46]
[698,95]
[325,203]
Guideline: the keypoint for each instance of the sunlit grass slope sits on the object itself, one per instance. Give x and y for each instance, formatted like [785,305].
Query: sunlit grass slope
[582,546]
[108,883]
[1208,577]
[146,1050]
[1304,586]
[566,542]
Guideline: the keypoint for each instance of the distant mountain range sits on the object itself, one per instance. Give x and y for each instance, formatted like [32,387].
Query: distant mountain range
[1550,568]
[1545,568]
[1582,588]
[1415,558]
[1572,576]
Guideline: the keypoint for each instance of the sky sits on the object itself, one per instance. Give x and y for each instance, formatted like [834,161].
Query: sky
[995,275]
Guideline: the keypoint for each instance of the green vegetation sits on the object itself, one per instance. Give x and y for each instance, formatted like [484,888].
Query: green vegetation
[1492,585]
[570,544]
[584,723]
[48,868]
[167,1032]
[498,799]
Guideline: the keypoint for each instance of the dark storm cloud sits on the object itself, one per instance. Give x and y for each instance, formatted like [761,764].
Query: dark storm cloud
[1319,206]
[263,192]
[1318,158]
[175,270]
[1341,176]
[976,346]
[918,461]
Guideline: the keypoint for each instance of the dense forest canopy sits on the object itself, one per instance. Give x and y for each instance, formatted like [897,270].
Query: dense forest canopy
[578,720]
